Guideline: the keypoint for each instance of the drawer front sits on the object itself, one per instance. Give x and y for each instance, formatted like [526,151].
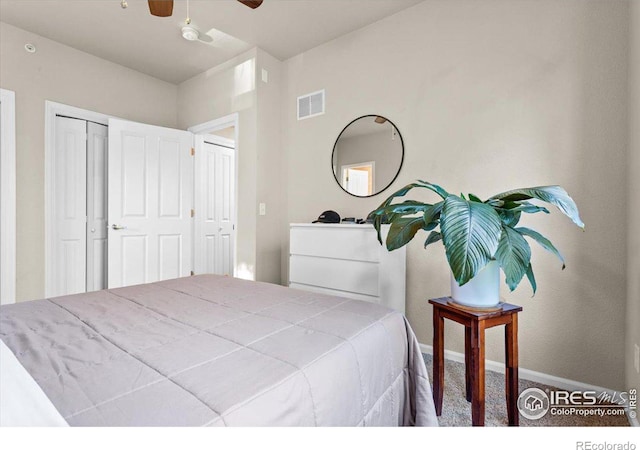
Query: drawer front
[321,290]
[352,276]
[342,243]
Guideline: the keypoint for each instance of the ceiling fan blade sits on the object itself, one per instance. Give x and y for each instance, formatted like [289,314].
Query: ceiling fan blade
[161,8]
[253,4]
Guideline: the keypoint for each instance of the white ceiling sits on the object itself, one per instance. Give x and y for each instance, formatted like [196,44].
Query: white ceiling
[366,126]
[153,45]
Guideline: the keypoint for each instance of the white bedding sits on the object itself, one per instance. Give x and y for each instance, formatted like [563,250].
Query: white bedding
[22,401]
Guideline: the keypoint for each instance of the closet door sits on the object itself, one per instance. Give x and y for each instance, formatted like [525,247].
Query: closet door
[215,208]
[70,202]
[150,197]
[96,206]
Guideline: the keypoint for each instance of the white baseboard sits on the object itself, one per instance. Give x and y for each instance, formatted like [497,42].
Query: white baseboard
[532,375]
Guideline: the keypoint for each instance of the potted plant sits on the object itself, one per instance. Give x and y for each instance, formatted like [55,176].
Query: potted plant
[479,237]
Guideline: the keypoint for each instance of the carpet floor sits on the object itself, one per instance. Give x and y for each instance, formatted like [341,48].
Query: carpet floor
[456,411]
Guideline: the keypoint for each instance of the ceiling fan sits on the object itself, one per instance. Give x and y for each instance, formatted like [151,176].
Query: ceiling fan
[164,8]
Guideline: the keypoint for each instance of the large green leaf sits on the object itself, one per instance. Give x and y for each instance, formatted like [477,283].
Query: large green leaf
[532,279]
[434,236]
[470,233]
[382,215]
[419,184]
[530,209]
[399,193]
[509,217]
[496,203]
[377,224]
[550,194]
[514,256]
[435,188]
[432,214]
[402,231]
[543,241]
[389,213]
[404,208]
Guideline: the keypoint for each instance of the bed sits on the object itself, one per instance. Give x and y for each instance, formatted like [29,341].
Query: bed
[218,351]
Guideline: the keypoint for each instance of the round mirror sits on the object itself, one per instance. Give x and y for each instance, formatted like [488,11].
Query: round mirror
[367,156]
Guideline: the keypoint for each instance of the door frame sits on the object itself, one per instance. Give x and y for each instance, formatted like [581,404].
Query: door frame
[207,128]
[51,110]
[8,197]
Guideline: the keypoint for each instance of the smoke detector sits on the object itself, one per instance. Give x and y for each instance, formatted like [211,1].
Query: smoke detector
[190,33]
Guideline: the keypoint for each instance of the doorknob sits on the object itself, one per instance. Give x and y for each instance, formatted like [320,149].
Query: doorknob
[117,227]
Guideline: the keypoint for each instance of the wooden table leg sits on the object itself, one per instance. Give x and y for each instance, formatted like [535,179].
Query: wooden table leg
[438,360]
[477,373]
[467,361]
[511,370]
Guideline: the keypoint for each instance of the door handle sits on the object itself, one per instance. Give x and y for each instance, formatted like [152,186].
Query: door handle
[118,227]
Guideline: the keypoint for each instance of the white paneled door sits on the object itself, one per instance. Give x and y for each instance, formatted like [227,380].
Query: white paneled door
[97,150]
[70,197]
[215,208]
[149,202]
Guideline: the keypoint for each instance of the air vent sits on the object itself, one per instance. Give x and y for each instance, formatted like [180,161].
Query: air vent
[311,105]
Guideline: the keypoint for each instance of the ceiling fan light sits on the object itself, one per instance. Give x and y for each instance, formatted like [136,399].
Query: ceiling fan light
[190,33]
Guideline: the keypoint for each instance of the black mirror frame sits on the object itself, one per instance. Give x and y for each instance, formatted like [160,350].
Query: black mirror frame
[401,158]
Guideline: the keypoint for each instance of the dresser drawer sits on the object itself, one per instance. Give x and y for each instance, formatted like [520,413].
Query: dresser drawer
[322,290]
[355,243]
[352,276]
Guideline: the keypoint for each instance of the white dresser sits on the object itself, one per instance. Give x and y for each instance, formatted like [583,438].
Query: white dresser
[346,260]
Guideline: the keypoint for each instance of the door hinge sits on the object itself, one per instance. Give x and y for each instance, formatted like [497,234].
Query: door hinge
[193,213]
[192,273]
[193,151]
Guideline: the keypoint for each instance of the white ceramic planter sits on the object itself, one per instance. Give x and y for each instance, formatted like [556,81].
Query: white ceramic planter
[482,291]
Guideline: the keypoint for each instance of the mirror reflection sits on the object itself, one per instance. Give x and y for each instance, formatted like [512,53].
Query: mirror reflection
[367,155]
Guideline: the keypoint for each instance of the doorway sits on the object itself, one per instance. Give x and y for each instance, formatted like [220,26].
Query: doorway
[215,205]
[358,178]
[216,188]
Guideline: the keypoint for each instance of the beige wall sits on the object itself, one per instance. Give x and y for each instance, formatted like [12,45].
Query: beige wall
[64,75]
[490,96]
[269,170]
[633,269]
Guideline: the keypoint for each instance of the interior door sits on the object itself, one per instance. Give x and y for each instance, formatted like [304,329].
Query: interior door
[70,201]
[150,198]
[357,181]
[215,208]
[96,206]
